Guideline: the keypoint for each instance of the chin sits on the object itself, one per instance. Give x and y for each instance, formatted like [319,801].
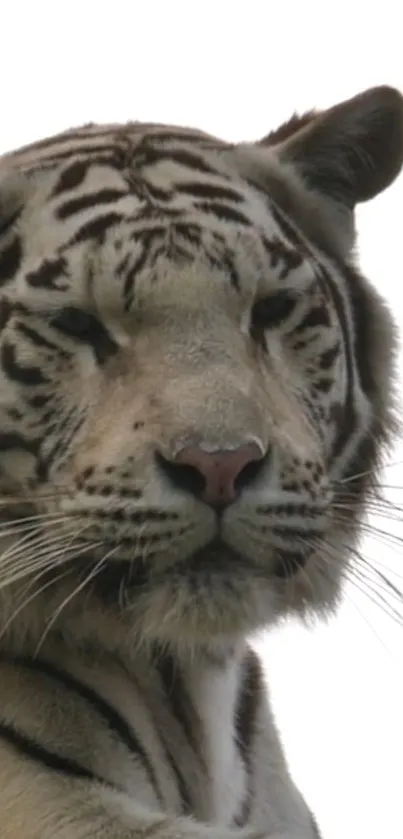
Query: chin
[215,595]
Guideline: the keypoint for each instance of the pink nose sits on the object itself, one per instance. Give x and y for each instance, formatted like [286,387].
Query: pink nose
[223,473]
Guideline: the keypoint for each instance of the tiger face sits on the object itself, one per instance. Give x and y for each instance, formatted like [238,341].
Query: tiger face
[193,375]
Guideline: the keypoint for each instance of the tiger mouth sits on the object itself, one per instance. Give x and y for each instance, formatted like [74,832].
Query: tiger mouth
[218,555]
[215,560]
[215,556]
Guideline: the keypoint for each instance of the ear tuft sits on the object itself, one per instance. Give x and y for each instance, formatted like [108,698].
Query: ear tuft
[287,129]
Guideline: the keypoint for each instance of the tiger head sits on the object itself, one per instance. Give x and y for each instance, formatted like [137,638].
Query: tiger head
[195,379]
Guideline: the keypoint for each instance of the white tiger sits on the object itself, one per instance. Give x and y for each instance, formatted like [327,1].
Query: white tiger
[195,393]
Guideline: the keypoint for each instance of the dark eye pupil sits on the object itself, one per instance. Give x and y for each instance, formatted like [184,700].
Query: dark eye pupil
[269,312]
[74,322]
[85,327]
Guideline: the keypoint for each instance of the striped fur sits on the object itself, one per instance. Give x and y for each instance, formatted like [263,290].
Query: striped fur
[162,289]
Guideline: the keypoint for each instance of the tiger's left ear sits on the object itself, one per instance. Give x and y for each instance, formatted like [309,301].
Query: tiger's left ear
[320,166]
[352,151]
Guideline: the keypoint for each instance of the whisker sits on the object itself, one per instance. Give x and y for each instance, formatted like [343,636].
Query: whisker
[43,561]
[379,575]
[64,573]
[26,498]
[378,589]
[27,553]
[55,578]
[391,540]
[370,627]
[27,538]
[41,554]
[87,579]
[375,598]
[359,579]
[37,518]
[363,474]
[386,510]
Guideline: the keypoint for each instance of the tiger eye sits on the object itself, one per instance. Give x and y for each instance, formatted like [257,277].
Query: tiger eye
[271,311]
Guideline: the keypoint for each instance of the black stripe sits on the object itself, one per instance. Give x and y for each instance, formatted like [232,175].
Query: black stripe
[164,134]
[39,400]
[65,431]
[223,212]
[190,231]
[47,416]
[10,260]
[52,159]
[6,309]
[147,155]
[72,177]
[172,685]
[182,789]
[348,419]
[92,199]
[112,718]
[181,705]
[146,241]
[154,230]
[8,221]
[28,747]
[123,265]
[328,357]
[365,329]
[157,194]
[194,161]
[39,339]
[209,191]
[138,516]
[365,341]
[293,532]
[224,262]
[153,211]
[12,440]
[95,229]
[290,232]
[318,316]
[75,173]
[281,252]
[248,703]
[48,274]
[70,137]
[16,372]
[245,722]
[323,385]
[232,272]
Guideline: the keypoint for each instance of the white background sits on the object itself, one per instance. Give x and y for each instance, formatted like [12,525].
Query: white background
[238,70]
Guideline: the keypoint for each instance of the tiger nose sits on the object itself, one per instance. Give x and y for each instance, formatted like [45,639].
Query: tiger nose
[217,477]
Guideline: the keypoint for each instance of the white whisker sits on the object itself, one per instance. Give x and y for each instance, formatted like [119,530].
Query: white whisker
[90,576]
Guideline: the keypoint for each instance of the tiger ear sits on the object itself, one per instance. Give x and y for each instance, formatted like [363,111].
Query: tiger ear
[319,166]
[352,151]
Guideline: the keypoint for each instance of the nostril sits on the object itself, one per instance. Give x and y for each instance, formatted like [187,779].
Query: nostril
[248,474]
[182,475]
